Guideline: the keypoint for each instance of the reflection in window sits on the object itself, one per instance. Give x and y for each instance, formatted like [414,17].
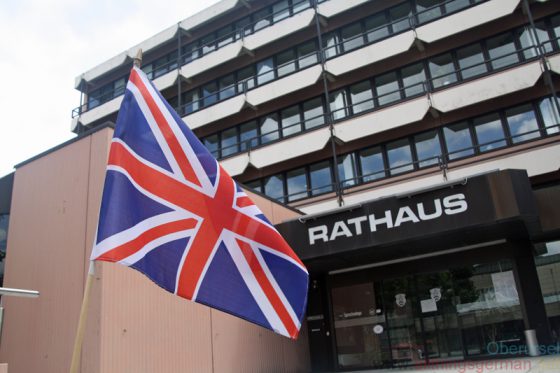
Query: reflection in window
[471,61]
[502,50]
[269,129]
[387,88]
[307,54]
[522,123]
[248,135]
[548,270]
[211,143]
[489,132]
[191,102]
[428,148]
[280,10]
[399,156]
[209,93]
[330,45]
[265,71]
[245,79]
[286,62]
[263,19]
[428,10]
[458,140]
[352,37]
[297,184]
[347,170]
[376,27]
[338,104]
[400,16]
[320,178]
[227,87]
[413,78]
[442,70]
[291,120]
[372,166]
[274,187]
[255,185]
[550,115]
[229,142]
[361,96]
[313,113]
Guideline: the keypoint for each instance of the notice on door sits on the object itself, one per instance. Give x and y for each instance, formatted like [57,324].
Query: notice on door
[428,305]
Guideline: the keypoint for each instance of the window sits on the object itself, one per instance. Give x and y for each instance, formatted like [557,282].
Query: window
[300,5]
[372,166]
[347,170]
[307,54]
[361,96]
[229,142]
[262,19]
[209,93]
[208,44]
[377,27]
[245,79]
[399,156]
[321,178]
[471,61]
[489,132]
[442,70]
[458,140]
[313,115]
[296,181]
[248,135]
[255,185]
[522,123]
[352,37]
[413,77]
[400,17]
[428,10]
[286,62]
[265,71]
[428,148]
[190,102]
[280,10]
[387,88]
[269,128]
[455,5]
[502,50]
[211,143]
[550,115]
[338,104]
[291,120]
[225,36]
[190,52]
[330,45]
[274,187]
[227,87]
[243,27]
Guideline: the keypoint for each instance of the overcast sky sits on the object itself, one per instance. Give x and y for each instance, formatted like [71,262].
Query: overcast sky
[45,44]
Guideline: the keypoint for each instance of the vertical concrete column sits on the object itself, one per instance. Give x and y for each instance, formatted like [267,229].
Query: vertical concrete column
[530,294]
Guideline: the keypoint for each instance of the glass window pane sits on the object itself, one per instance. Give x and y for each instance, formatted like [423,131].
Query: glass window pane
[338,104]
[208,43]
[307,54]
[361,96]
[458,140]
[527,40]
[269,128]
[190,52]
[320,177]
[291,120]
[372,166]
[280,10]
[428,10]
[243,27]
[471,61]
[377,27]
[347,170]
[542,36]
[274,187]
[399,156]
[255,185]
[455,5]
[502,50]
[297,184]
[555,22]
[211,143]
[550,115]
[522,123]
[413,79]
[245,79]
[227,87]
[209,93]
[442,71]
[248,135]
[313,114]
[286,62]
[489,132]
[191,102]
[229,142]
[300,5]
[352,37]
[331,45]
[428,148]
[262,19]
[387,88]
[225,36]
[400,15]
[265,71]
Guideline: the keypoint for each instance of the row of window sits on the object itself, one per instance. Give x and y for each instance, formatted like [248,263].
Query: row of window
[467,138]
[369,30]
[410,81]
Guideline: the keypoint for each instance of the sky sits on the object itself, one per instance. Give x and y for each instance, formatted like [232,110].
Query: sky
[46,44]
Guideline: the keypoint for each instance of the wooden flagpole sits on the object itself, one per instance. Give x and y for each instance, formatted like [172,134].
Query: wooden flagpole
[78,341]
[75,365]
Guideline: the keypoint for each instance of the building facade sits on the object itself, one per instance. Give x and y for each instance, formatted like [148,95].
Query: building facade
[419,138]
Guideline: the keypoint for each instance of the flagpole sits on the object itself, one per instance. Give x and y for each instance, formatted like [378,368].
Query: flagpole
[74,366]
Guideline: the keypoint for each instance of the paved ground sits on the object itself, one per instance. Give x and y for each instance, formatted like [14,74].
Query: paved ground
[550,363]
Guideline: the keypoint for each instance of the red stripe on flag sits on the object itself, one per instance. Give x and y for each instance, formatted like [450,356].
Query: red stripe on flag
[244,201]
[268,289]
[170,138]
[135,245]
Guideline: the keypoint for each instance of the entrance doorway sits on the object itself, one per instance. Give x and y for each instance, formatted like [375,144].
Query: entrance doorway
[424,318]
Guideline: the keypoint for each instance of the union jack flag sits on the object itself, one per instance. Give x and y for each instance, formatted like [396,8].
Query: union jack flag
[170,211]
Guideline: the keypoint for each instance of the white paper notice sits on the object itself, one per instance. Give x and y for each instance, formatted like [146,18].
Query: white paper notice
[428,305]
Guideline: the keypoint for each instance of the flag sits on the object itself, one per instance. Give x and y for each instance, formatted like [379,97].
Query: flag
[170,211]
